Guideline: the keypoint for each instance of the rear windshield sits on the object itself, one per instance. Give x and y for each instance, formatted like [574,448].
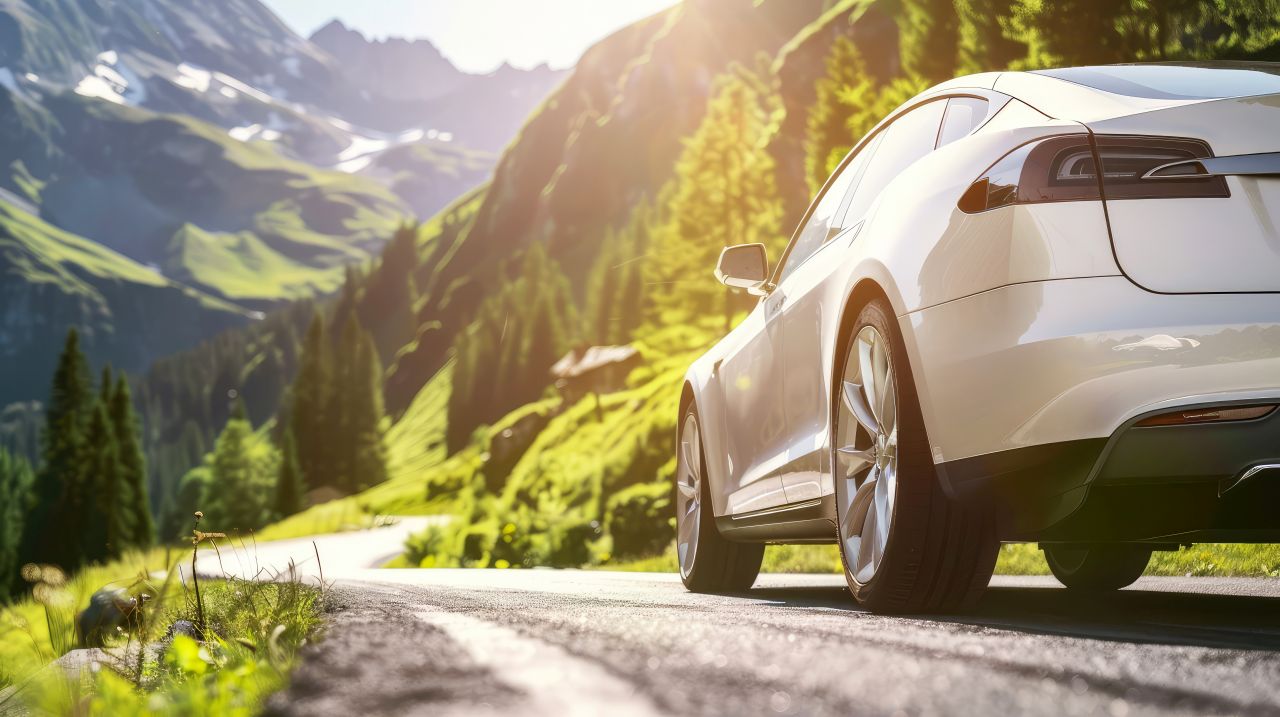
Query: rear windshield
[1175,82]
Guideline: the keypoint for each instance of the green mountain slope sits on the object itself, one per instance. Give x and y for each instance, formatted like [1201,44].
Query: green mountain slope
[600,145]
[129,315]
[166,190]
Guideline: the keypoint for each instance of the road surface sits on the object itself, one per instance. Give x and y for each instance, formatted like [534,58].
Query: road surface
[543,642]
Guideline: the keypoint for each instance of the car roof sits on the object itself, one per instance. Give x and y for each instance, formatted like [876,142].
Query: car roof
[1092,93]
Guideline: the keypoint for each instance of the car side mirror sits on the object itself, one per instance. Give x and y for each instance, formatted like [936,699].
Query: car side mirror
[745,266]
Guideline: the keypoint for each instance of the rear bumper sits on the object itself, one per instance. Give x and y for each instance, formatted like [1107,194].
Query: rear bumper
[1061,361]
[1030,394]
[1156,484]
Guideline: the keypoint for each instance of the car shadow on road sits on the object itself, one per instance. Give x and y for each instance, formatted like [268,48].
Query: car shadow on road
[1134,615]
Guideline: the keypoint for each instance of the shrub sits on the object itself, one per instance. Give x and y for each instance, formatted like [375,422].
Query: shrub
[640,519]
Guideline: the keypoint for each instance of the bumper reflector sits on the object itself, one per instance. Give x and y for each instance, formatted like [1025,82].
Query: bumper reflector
[1207,415]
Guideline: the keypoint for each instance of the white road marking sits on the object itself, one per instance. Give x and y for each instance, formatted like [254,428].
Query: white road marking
[553,681]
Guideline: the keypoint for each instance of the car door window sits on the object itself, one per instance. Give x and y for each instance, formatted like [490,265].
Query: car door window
[858,168]
[909,138]
[822,223]
[963,116]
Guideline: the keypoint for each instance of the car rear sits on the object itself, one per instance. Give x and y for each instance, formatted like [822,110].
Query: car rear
[1146,402]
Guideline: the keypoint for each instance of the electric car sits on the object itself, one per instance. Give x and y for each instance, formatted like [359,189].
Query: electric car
[1027,307]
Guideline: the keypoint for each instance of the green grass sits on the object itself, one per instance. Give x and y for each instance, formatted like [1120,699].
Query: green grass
[254,632]
[337,516]
[1220,560]
[43,254]
[26,641]
[415,444]
[283,229]
[237,265]
[415,452]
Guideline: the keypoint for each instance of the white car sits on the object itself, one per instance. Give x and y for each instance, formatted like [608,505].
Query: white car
[975,336]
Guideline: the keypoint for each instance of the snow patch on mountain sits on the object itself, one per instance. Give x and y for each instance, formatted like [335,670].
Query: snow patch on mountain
[254,131]
[114,81]
[366,145]
[193,78]
[95,86]
[8,82]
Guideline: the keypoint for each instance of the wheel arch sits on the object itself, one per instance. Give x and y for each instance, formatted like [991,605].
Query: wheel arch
[686,399]
[699,391]
[865,291]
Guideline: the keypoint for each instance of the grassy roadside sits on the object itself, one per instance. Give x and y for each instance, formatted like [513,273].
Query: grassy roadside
[252,635]
[1220,560]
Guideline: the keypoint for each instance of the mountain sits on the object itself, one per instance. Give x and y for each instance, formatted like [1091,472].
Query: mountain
[603,143]
[219,157]
[129,314]
[386,65]
[403,81]
[176,194]
[333,102]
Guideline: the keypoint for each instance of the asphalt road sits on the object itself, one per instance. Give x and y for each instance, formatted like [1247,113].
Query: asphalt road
[531,642]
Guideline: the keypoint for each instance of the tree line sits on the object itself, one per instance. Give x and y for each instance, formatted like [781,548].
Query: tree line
[87,502]
[88,499]
[502,361]
[329,434]
[939,39]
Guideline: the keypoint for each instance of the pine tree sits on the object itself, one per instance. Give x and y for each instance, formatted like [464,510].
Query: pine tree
[105,385]
[547,344]
[725,195]
[985,45]
[602,291]
[51,534]
[16,481]
[929,38]
[133,464]
[845,86]
[311,405]
[341,428]
[290,490]
[369,458]
[241,484]
[107,530]
[630,302]
[502,359]
[1088,32]
[460,407]
[390,294]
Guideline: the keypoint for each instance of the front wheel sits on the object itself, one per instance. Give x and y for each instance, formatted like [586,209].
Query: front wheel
[708,562]
[1097,567]
[906,546]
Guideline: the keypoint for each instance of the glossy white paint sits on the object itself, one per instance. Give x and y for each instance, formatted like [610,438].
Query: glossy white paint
[1202,245]
[1019,325]
[1054,361]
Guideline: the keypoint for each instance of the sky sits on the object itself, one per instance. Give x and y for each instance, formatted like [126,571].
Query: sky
[479,35]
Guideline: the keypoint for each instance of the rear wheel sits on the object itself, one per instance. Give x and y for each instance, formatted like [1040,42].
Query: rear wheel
[906,547]
[1097,567]
[708,562]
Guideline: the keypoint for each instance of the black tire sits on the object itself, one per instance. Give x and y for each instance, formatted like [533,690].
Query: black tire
[940,553]
[1097,568]
[719,565]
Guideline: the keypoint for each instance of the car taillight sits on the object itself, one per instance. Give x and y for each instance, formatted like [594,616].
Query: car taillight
[1065,169]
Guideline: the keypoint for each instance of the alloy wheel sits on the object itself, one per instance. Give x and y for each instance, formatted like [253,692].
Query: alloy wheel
[866,457]
[688,494]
